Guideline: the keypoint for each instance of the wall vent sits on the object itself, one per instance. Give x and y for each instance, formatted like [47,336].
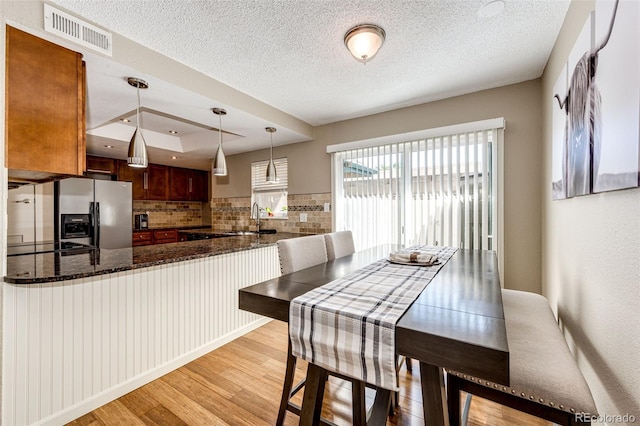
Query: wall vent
[74,29]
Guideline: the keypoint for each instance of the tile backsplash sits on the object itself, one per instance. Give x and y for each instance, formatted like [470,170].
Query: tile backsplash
[234,214]
[163,214]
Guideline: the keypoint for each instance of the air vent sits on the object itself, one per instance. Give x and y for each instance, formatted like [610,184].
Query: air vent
[74,29]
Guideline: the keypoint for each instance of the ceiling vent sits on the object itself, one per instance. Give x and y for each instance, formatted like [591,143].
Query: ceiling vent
[74,29]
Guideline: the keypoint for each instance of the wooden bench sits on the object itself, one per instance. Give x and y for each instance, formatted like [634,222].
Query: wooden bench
[545,380]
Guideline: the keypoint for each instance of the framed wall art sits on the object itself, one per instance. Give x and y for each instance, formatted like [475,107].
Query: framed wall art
[596,105]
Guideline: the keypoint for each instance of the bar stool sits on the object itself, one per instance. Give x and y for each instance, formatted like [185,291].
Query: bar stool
[339,244]
[296,254]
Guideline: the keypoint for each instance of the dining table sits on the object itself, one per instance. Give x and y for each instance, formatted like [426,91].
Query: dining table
[456,323]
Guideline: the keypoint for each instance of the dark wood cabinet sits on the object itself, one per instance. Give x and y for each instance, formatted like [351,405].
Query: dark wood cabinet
[165,236]
[181,181]
[188,185]
[45,107]
[200,186]
[157,185]
[158,236]
[142,238]
[137,178]
[151,183]
[102,165]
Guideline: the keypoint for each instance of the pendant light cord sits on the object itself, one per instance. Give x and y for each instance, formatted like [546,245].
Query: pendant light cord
[138,107]
[220,129]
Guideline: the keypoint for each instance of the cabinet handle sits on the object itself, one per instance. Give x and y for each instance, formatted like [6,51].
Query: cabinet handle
[146,181]
[190,185]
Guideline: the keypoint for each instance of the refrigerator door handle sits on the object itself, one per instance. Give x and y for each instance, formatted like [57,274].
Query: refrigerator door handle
[97,228]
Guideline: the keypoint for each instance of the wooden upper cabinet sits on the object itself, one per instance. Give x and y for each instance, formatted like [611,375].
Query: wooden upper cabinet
[102,165]
[45,106]
[181,182]
[188,185]
[151,183]
[157,182]
[137,178]
[200,186]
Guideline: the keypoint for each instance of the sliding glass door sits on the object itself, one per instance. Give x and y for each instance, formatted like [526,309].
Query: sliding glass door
[437,191]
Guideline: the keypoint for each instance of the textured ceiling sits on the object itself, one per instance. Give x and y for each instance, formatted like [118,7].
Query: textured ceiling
[290,54]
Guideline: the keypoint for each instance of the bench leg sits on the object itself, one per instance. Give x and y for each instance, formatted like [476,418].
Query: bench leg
[453,399]
[359,403]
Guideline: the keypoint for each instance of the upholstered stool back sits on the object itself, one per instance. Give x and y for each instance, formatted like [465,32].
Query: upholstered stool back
[339,244]
[302,252]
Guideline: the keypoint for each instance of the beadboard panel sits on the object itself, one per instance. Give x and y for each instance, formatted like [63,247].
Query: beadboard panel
[71,346]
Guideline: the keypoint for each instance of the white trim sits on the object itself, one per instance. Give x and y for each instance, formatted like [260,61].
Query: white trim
[493,123]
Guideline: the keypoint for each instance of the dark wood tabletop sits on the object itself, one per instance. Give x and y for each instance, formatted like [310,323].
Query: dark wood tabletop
[456,323]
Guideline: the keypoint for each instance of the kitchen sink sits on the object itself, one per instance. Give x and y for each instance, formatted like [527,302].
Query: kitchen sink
[241,233]
[262,231]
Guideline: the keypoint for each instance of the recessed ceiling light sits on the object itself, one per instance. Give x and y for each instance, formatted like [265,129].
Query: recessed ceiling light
[173,157]
[108,146]
[491,9]
[173,132]
[125,120]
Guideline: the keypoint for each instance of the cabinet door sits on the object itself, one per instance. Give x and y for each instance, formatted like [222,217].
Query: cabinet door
[142,238]
[181,182]
[200,186]
[44,106]
[165,236]
[134,175]
[101,165]
[157,182]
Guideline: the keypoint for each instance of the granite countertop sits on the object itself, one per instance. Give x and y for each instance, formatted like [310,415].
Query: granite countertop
[52,267]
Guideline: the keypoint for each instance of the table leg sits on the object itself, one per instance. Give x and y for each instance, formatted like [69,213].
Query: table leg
[313,393]
[434,399]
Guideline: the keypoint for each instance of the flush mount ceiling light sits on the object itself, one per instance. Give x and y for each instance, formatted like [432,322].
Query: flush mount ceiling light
[137,156]
[219,165]
[272,176]
[364,41]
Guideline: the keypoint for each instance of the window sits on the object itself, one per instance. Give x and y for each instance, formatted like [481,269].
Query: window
[270,196]
[436,190]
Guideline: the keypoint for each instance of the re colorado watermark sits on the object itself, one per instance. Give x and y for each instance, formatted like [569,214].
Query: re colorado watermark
[605,418]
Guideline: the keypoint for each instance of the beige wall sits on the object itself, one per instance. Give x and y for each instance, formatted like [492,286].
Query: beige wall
[591,264]
[519,104]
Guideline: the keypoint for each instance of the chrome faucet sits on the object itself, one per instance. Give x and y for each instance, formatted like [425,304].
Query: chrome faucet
[255,209]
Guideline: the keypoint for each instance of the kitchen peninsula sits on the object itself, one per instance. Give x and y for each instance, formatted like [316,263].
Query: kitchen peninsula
[50,267]
[84,329]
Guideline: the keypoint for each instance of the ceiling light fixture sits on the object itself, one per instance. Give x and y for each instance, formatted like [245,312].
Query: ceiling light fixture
[219,165]
[272,176]
[364,41]
[125,120]
[108,146]
[173,132]
[137,156]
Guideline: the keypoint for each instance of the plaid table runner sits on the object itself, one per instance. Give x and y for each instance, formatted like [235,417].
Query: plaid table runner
[348,325]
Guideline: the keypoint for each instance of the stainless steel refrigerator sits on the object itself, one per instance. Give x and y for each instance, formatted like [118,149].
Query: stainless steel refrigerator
[93,212]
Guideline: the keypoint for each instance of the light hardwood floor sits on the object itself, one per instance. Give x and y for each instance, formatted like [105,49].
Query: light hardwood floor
[240,384]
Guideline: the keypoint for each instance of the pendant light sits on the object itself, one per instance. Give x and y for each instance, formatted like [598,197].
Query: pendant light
[219,165]
[137,156]
[272,176]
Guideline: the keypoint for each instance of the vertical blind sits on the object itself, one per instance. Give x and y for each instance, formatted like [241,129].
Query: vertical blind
[438,191]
